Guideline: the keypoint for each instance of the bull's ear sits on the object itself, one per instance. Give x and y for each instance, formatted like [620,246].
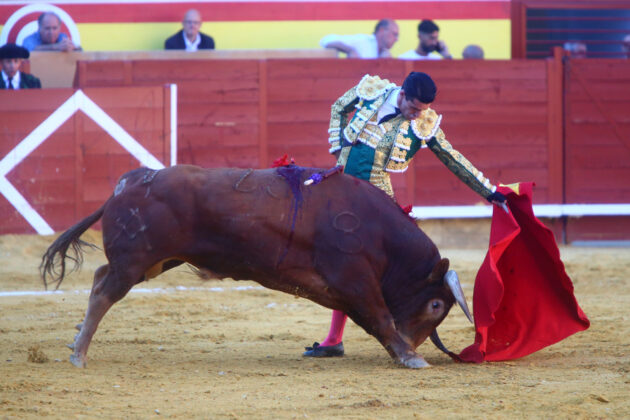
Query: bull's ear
[439,270]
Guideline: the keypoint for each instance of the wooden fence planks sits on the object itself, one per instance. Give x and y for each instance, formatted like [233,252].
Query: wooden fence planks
[597,122]
[79,163]
[563,124]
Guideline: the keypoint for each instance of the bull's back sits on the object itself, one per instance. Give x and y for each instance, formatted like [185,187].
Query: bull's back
[265,215]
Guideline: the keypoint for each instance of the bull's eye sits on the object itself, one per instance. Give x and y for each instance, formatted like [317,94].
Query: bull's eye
[435,307]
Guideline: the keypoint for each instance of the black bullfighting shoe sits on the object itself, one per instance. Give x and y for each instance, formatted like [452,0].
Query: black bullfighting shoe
[324,351]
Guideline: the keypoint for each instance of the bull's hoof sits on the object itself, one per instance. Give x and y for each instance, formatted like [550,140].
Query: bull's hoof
[70,346]
[79,362]
[415,363]
[79,326]
[324,351]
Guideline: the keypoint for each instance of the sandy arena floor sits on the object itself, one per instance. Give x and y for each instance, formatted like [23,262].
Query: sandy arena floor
[226,353]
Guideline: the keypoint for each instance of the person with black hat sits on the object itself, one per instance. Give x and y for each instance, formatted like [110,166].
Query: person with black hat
[11,56]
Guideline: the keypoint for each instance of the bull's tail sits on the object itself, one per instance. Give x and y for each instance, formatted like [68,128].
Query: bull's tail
[53,265]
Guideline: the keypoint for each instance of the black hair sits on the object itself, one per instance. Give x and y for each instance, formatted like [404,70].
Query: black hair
[428,27]
[419,86]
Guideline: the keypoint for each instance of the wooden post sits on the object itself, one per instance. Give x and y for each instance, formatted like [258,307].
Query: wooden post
[80,77]
[128,73]
[555,126]
[519,29]
[166,125]
[263,146]
[79,164]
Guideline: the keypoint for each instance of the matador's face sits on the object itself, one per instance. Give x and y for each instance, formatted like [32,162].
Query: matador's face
[410,109]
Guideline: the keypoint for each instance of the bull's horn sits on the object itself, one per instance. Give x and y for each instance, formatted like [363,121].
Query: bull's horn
[435,339]
[458,293]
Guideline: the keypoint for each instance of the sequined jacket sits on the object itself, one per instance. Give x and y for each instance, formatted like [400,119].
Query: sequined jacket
[370,151]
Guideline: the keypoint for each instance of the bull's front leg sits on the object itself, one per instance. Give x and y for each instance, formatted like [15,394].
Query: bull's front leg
[363,302]
[374,317]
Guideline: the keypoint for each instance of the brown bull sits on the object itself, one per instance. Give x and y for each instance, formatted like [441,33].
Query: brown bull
[343,244]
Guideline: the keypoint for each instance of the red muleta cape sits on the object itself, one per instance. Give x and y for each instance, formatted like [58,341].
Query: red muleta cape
[523,299]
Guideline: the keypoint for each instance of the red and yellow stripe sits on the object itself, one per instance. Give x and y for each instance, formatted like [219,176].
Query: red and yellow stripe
[139,25]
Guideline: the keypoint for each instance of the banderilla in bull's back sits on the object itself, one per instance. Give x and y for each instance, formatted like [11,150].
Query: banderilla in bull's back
[341,243]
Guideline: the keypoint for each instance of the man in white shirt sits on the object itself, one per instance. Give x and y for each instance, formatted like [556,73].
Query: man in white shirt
[377,45]
[190,38]
[430,47]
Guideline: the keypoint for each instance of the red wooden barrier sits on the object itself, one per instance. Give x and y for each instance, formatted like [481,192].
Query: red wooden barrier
[597,142]
[247,112]
[73,168]
[562,124]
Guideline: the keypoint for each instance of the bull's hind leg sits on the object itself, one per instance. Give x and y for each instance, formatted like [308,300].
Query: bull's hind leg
[99,275]
[108,288]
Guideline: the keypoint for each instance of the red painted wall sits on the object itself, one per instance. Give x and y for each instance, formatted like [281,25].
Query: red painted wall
[247,112]
[561,124]
[76,168]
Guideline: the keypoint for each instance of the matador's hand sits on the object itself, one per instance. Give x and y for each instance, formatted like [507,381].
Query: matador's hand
[498,199]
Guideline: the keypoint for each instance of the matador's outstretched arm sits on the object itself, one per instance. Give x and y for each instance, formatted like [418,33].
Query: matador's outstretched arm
[460,166]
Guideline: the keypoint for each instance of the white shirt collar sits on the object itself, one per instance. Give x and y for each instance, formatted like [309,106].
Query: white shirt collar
[390,105]
[15,81]
[192,46]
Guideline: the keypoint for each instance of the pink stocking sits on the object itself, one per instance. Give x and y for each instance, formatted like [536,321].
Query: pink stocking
[335,335]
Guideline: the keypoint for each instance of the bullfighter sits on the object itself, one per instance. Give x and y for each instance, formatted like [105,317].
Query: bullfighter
[390,125]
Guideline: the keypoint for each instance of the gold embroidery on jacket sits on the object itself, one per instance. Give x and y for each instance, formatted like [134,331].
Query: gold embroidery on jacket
[460,166]
[371,87]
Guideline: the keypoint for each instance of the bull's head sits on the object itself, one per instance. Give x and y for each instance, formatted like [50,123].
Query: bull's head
[439,292]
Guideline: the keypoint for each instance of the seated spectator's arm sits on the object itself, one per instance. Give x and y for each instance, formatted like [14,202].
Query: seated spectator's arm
[339,43]
[64,45]
[344,48]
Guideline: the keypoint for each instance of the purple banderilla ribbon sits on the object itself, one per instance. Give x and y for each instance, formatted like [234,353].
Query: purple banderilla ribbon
[318,177]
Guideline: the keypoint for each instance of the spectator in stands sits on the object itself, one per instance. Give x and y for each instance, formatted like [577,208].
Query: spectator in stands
[575,49]
[430,47]
[625,46]
[190,38]
[11,56]
[49,36]
[472,52]
[377,45]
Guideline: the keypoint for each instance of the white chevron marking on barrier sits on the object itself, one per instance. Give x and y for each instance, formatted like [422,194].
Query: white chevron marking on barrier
[77,102]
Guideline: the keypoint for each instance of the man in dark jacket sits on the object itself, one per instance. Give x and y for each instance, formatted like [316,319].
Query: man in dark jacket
[189,38]
[11,56]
